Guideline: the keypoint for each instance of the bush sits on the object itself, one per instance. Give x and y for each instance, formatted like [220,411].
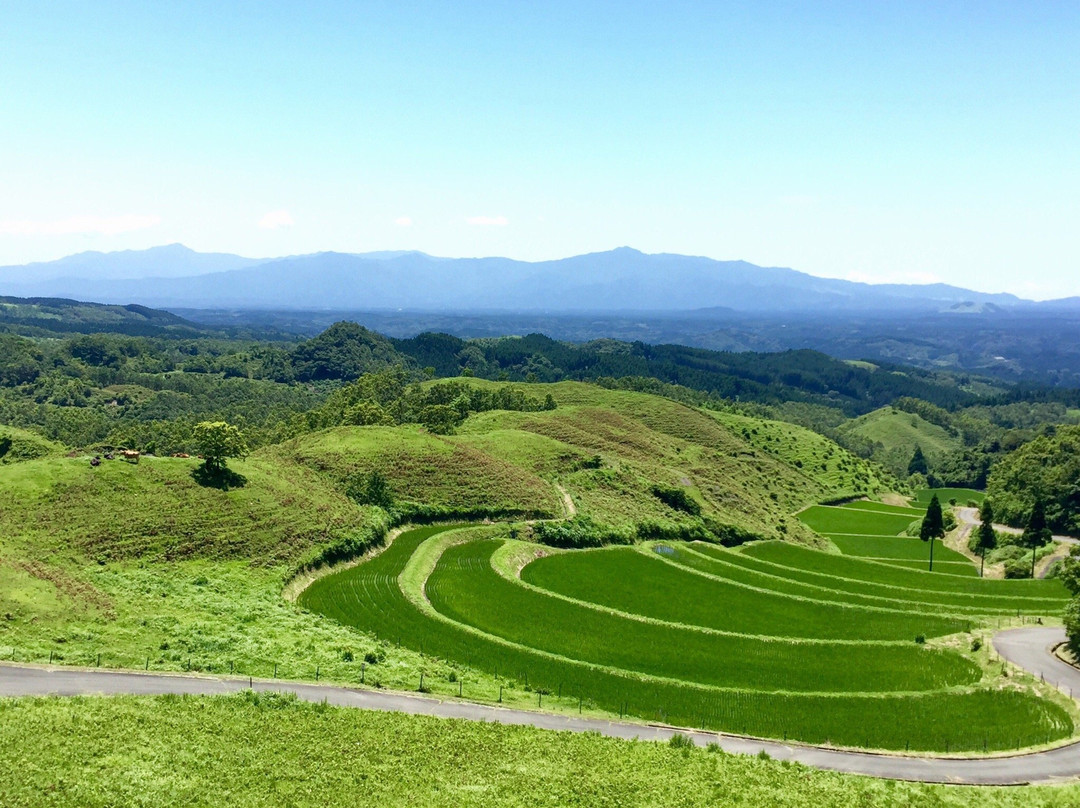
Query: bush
[681,741]
[678,499]
[579,532]
[1018,568]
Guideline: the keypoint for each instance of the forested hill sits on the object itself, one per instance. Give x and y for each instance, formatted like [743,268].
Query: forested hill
[44,316]
[796,375]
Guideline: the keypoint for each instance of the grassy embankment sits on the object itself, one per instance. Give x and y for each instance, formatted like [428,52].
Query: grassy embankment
[270,750]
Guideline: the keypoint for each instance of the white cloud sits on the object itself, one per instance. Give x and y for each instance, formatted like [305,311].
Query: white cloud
[275,219]
[488,221]
[95,225]
[403,221]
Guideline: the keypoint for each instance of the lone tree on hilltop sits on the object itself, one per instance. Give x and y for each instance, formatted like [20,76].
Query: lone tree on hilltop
[1036,534]
[933,526]
[216,441]
[918,464]
[985,537]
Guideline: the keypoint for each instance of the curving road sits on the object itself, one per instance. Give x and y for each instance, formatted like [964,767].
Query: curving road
[969,519]
[1026,647]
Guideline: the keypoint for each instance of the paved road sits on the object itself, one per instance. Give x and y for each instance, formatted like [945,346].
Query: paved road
[969,518]
[1028,647]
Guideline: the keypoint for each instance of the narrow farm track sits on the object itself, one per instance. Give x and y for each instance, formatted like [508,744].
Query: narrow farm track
[1026,647]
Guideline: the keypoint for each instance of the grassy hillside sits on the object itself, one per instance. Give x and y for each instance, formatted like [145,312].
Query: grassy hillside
[271,750]
[21,444]
[748,472]
[819,458]
[614,452]
[147,567]
[440,472]
[896,434]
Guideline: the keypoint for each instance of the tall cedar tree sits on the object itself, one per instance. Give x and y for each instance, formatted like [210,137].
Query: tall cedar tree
[918,463]
[985,537]
[1036,534]
[933,526]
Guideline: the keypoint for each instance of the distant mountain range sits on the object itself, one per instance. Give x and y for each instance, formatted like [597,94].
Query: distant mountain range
[619,280]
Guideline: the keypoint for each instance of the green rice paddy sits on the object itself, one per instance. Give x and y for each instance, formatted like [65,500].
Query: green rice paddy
[659,641]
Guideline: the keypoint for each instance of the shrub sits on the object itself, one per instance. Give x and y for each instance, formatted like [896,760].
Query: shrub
[680,741]
[1017,568]
[678,499]
[579,532]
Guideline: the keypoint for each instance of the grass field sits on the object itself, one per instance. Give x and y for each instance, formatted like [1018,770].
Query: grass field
[425,469]
[829,520]
[897,433]
[465,588]
[884,584]
[488,623]
[817,456]
[890,547]
[271,750]
[613,577]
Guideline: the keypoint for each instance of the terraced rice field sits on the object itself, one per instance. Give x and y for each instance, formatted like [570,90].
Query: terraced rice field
[871,530]
[715,642]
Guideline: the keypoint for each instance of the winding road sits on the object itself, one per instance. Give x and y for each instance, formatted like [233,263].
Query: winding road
[1029,648]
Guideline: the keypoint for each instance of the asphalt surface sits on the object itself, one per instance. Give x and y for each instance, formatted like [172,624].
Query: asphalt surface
[1027,647]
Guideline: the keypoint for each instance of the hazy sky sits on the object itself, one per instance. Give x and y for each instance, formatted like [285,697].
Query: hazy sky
[900,141]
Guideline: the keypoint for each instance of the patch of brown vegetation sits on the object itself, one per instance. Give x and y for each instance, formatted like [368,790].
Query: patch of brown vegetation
[80,592]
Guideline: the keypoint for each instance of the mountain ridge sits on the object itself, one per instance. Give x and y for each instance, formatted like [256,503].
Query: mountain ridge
[623,279]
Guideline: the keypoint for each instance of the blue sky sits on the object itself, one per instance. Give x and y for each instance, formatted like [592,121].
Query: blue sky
[885,141]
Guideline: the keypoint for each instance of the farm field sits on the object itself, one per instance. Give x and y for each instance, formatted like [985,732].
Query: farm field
[908,696]
[828,520]
[871,530]
[269,749]
[881,548]
[612,577]
[1041,594]
[465,588]
[856,576]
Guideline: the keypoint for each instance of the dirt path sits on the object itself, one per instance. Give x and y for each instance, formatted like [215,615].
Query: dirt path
[568,502]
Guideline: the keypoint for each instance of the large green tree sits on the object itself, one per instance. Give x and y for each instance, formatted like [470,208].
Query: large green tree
[216,441]
[933,526]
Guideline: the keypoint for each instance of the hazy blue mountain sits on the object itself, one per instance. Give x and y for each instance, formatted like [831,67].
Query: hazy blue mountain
[618,280]
[170,261]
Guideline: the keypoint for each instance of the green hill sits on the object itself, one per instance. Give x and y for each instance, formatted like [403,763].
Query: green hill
[894,434]
[21,444]
[615,453]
